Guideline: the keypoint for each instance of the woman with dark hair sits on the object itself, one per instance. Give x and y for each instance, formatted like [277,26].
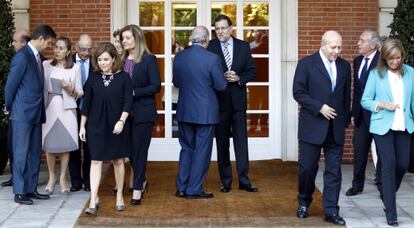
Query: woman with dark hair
[107,103]
[389,95]
[59,133]
[142,67]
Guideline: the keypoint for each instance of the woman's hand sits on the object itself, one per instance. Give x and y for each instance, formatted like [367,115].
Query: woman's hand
[119,126]
[388,106]
[82,134]
[67,87]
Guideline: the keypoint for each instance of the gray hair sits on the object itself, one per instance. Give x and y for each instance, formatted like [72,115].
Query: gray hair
[199,35]
[375,38]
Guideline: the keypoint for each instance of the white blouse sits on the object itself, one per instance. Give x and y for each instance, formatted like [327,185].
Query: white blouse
[397,90]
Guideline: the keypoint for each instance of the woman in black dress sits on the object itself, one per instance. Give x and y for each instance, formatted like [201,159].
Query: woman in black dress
[143,69]
[107,103]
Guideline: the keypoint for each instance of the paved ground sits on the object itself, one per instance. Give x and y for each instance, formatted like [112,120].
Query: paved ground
[363,210]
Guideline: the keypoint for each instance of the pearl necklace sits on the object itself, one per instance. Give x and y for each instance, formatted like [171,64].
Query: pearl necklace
[105,81]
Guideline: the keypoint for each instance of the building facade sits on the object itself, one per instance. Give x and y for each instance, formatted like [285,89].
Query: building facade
[279,32]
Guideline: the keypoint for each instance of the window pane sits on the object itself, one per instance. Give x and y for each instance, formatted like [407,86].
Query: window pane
[161,67]
[262,69]
[258,125]
[258,40]
[256,14]
[258,97]
[228,9]
[184,14]
[155,41]
[159,97]
[159,127]
[181,40]
[151,14]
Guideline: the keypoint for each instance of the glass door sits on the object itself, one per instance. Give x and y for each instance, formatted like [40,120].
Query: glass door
[168,24]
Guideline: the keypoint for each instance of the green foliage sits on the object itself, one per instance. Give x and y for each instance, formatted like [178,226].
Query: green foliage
[402,27]
[6,54]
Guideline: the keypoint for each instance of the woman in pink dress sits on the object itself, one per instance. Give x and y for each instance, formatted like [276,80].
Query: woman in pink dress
[60,132]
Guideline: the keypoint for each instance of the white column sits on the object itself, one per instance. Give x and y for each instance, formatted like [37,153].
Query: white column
[289,112]
[20,8]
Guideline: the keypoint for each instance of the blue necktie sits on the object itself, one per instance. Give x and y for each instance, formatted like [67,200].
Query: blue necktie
[83,79]
[227,57]
[364,70]
[331,75]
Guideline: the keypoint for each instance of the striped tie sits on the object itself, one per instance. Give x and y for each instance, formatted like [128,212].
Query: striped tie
[227,56]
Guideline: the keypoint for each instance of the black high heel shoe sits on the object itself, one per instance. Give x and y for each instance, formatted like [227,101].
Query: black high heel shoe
[136,202]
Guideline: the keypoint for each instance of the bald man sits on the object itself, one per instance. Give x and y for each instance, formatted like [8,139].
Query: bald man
[78,169]
[322,88]
[20,38]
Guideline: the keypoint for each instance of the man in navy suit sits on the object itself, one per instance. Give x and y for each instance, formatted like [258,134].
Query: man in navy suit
[322,87]
[79,171]
[197,73]
[20,39]
[24,101]
[239,69]
[368,44]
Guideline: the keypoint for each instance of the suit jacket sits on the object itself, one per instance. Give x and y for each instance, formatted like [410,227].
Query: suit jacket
[377,90]
[359,86]
[24,88]
[198,74]
[312,89]
[235,97]
[146,83]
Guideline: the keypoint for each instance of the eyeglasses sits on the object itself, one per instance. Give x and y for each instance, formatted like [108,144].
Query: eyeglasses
[219,29]
[85,49]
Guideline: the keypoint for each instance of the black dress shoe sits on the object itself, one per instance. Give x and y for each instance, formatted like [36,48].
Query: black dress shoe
[302,212]
[180,193]
[135,201]
[202,195]
[393,223]
[22,199]
[86,189]
[248,188]
[225,189]
[37,195]
[7,183]
[352,191]
[75,189]
[335,219]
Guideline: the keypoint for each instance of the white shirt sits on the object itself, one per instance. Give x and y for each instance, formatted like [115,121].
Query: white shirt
[34,50]
[363,61]
[326,62]
[397,90]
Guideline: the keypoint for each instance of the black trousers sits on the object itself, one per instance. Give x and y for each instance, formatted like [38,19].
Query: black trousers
[309,155]
[362,140]
[411,165]
[79,170]
[394,151]
[141,139]
[232,123]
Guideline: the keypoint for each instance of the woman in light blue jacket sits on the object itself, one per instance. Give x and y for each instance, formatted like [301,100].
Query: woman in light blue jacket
[389,95]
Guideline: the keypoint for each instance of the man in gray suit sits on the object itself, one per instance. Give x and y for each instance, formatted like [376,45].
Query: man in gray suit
[198,74]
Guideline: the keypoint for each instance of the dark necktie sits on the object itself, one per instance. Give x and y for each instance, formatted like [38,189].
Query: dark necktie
[83,71]
[364,70]
[227,57]
[39,64]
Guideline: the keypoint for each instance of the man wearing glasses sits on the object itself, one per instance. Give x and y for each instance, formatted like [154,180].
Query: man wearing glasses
[79,172]
[239,69]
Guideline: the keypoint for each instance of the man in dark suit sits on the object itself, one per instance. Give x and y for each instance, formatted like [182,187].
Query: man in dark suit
[78,170]
[24,100]
[239,69]
[368,45]
[322,88]
[20,39]
[197,73]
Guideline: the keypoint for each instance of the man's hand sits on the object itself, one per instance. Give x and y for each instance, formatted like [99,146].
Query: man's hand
[328,112]
[231,76]
[5,111]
